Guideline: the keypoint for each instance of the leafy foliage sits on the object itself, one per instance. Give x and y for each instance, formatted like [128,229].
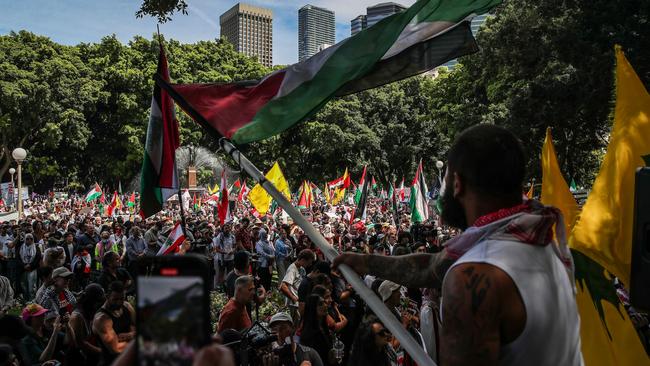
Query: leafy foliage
[548,63]
[82,111]
[161,9]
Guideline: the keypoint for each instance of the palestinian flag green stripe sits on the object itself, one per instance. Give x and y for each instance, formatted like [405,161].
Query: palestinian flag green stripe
[425,35]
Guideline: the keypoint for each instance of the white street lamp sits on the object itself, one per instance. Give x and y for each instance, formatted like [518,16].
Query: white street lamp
[19,154]
[12,171]
[439,165]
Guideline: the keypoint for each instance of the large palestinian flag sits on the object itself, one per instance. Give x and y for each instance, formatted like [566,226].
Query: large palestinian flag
[416,40]
[159,179]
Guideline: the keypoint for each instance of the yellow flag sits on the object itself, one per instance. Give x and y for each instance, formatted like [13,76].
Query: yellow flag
[602,237]
[555,191]
[531,191]
[213,190]
[604,230]
[262,200]
[328,199]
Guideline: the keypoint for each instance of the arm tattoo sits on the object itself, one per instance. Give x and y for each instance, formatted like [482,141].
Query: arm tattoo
[477,285]
[414,270]
[470,331]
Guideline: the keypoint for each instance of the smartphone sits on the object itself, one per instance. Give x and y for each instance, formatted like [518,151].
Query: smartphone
[173,318]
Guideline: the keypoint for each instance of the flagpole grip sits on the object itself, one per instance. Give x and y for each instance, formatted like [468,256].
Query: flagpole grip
[377,306]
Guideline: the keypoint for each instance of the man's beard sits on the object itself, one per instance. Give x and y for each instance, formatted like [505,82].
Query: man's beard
[453,213]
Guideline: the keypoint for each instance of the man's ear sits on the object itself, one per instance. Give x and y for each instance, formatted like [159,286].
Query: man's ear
[459,185]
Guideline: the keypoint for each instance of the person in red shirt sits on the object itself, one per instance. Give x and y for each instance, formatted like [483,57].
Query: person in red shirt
[243,238]
[234,314]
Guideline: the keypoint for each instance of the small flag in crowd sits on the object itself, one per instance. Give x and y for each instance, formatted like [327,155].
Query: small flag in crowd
[419,206]
[357,194]
[531,191]
[116,203]
[340,185]
[361,209]
[262,200]
[305,196]
[555,191]
[224,203]
[174,240]
[243,192]
[131,202]
[94,193]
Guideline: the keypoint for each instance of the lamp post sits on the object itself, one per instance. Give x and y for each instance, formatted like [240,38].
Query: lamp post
[12,171]
[19,154]
[439,165]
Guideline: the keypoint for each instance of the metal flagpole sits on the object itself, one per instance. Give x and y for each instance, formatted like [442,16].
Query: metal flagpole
[387,318]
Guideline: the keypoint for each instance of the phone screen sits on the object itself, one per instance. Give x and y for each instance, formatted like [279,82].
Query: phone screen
[171,317]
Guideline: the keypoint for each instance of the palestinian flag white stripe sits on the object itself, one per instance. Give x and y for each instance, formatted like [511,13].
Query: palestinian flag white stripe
[418,203]
[94,193]
[407,43]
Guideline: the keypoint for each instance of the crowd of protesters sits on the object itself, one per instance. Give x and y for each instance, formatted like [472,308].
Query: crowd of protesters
[67,271]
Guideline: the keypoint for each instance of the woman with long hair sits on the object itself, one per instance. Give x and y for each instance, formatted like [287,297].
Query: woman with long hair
[335,320]
[371,345]
[314,332]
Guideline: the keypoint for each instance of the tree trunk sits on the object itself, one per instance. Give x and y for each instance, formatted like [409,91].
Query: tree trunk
[5,158]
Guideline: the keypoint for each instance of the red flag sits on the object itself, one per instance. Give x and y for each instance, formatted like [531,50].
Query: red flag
[224,204]
[305,196]
[174,240]
[115,203]
[131,202]
[243,192]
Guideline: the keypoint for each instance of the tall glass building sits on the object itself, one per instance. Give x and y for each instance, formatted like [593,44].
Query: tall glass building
[250,30]
[316,30]
[374,14]
[358,24]
[378,12]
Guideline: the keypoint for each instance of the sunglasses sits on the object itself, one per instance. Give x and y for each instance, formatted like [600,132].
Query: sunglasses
[384,333]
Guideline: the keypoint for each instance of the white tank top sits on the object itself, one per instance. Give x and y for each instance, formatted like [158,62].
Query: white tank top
[552,333]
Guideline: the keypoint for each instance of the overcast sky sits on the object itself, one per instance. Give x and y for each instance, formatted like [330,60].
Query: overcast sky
[74,21]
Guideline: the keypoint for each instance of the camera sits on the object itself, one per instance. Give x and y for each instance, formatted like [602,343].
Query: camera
[286,355]
[250,346]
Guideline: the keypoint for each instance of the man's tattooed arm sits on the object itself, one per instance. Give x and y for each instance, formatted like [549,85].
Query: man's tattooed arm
[414,270]
[471,315]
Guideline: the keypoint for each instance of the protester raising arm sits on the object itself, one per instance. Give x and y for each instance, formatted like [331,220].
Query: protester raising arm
[51,344]
[414,270]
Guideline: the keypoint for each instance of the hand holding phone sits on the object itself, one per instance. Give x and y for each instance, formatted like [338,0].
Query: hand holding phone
[173,320]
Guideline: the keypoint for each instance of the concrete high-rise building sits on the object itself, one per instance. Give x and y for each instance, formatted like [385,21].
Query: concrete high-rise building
[374,14]
[358,24]
[316,30]
[378,12]
[250,30]
[476,24]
